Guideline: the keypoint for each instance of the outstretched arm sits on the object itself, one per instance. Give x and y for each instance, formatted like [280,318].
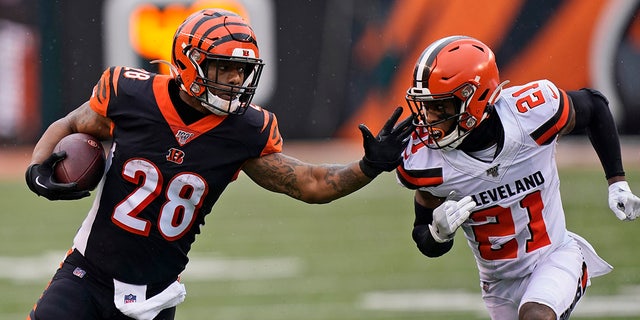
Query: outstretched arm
[313,183]
[592,114]
[310,183]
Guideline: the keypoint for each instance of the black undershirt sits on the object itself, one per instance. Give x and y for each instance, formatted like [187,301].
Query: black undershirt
[187,113]
[488,133]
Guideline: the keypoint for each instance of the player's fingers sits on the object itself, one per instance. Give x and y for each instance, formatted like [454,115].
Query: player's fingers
[404,129]
[54,158]
[466,200]
[366,133]
[619,213]
[74,195]
[451,195]
[467,207]
[66,187]
[388,126]
[406,123]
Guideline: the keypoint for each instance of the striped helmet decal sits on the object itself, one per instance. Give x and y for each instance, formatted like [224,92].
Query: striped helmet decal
[209,23]
[423,68]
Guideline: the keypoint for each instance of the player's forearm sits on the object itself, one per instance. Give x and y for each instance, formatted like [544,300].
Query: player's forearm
[53,134]
[322,183]
[421,234]
[615,179]
[332,182]
[593,115]
[427,244]
[81,119]
[604,139]
[310,183]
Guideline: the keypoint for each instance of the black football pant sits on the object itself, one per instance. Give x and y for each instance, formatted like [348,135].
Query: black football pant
[75,293]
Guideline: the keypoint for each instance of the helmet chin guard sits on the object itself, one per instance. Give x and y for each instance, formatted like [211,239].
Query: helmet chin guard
[219,106]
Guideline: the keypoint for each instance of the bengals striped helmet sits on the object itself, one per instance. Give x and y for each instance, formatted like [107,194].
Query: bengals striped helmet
[459,70]
[225,39]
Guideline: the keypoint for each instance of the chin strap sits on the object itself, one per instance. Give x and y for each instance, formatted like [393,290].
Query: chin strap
[496,93]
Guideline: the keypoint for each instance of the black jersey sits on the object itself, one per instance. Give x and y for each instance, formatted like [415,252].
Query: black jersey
[162,177]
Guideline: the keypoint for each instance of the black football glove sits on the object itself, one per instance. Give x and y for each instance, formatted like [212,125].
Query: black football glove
[40,180]
[384,151]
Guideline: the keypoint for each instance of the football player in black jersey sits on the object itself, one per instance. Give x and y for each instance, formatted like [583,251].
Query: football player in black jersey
[177,141]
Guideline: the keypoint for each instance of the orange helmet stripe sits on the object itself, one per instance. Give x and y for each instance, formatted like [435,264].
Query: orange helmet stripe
[205,29]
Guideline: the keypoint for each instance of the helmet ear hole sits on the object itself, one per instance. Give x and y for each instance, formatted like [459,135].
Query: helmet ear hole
[483,95]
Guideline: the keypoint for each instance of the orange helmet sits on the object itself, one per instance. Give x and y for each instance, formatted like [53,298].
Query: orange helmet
[216,36]
[460,68]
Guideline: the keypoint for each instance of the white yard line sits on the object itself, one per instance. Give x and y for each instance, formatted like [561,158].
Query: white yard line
[201,267]
[623,304]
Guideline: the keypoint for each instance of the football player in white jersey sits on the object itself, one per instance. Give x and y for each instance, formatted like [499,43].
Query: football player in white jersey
[483,159]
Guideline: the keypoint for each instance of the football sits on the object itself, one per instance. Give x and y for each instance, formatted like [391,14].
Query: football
[84,163]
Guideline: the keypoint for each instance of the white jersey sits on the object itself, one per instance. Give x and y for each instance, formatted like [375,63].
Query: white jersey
[519,218]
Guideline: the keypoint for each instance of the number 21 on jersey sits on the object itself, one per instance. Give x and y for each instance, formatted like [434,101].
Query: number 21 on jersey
[497,223]
[531,100]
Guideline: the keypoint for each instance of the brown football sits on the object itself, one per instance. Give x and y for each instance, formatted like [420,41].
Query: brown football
[84,163]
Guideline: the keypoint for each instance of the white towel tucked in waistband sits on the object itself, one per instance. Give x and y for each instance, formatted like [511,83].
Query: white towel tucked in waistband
[131,299]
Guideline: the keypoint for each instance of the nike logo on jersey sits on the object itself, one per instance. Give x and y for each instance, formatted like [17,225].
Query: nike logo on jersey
[509,190]
[553,92]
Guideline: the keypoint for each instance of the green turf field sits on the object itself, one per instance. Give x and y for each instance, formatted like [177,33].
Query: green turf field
[265,256]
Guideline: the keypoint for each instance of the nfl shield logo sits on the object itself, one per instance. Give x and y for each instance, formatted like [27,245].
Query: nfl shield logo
[493,171]
[78,272]
[129,298]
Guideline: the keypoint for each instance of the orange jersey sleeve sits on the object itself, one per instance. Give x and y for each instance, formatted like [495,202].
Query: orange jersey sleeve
[274,142]
[104,89]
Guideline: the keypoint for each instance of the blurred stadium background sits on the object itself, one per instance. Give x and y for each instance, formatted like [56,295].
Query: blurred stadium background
[330,65]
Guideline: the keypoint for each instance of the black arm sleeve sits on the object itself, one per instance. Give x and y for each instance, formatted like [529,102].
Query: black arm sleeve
[593,116]
[422,236]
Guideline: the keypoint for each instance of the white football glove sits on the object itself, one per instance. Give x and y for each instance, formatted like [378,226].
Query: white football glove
[622,202]
[449,216]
